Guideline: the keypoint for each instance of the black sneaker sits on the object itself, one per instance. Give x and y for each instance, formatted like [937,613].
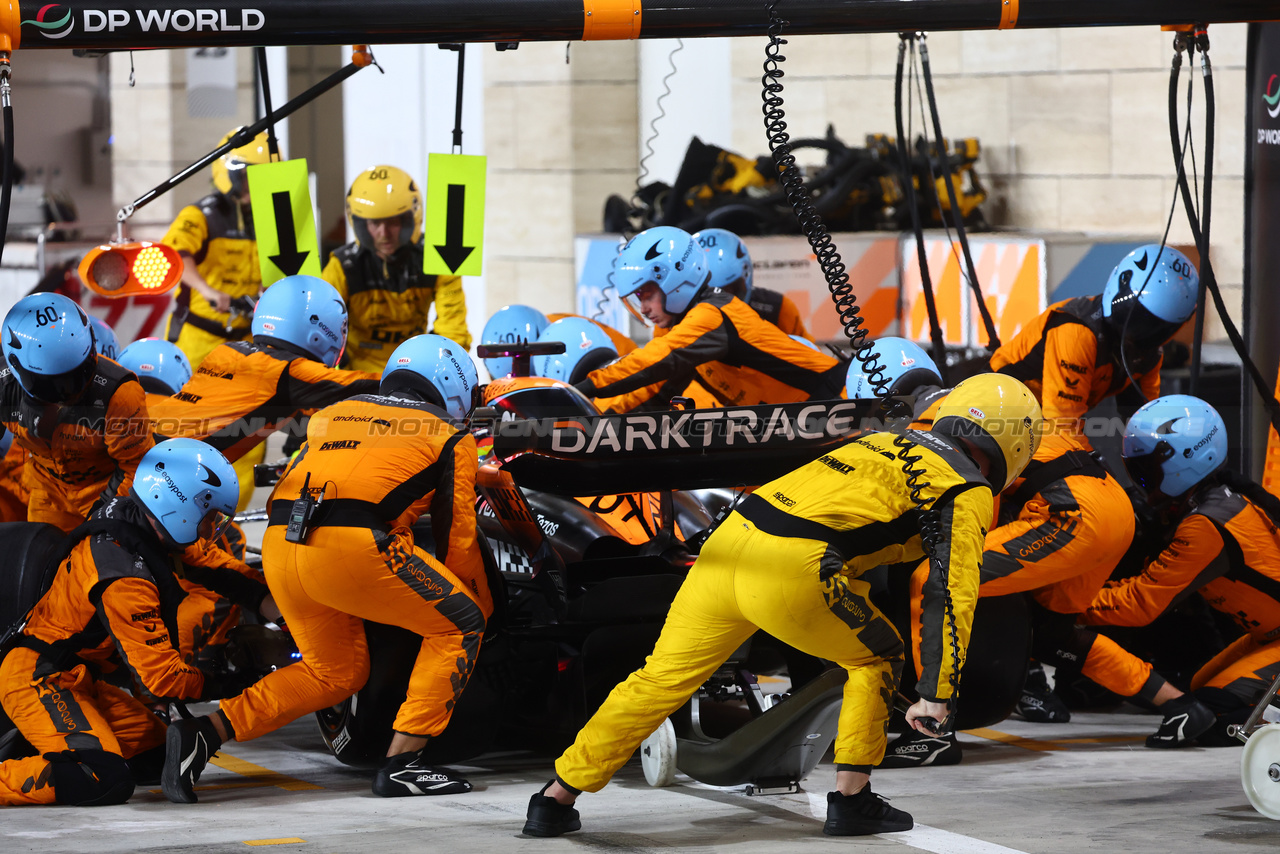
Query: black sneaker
[913,749]
[863,814]
[1038,702]
[1184,718]
[548,817]
[189,745]
[406,774]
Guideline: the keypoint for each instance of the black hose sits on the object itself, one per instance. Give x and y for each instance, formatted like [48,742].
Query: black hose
[993,338]
[1208,281]
[909,189]
[1206,209]
[7,189]
[264,79]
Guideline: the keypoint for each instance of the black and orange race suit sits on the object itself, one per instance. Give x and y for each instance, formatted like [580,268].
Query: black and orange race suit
[741,359]
[244,392]
[1071,362]
[790,560]
[380,463]
[1063,526]
[389,301]
[217,233]
[108,606]
[1228,550]
[78,453]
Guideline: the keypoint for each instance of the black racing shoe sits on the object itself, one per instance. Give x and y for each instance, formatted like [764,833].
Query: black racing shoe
[1038,702]
[548,817]
[1185,718]
[189,745]
[913,749]
[406,774]
[863,814]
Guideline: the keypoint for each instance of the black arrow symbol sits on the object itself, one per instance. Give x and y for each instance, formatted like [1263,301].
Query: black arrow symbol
[453,253]
[289,260]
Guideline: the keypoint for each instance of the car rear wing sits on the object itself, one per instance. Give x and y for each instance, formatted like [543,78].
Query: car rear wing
[679,449]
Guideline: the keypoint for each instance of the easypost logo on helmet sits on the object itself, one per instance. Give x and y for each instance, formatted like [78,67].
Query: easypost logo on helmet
[52,22]
[1187,452]
[173,487]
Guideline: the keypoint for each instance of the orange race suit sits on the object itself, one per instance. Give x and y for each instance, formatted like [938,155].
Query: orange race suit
[388,301]
[217,234]
[1227,549]
[380,463]
[790,560]
[78,452]
[14,495]
[112,603]
[742,360]
[244,392]
[1071,361]
[778,309]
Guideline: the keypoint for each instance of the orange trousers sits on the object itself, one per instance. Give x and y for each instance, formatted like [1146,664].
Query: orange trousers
[66,710]
[1061,549]
[325,589]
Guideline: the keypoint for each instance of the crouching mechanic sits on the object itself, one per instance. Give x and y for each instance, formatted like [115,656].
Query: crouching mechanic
[374,464]
[244,391]
[663,275]
[81,418]
[112,601]
[1225,546]
[790,559]
[380,273]
[731,271]
[1083,350]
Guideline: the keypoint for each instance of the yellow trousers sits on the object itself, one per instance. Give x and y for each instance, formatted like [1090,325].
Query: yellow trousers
[746,580]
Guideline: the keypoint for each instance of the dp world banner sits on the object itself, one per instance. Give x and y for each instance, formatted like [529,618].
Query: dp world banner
[1262,225]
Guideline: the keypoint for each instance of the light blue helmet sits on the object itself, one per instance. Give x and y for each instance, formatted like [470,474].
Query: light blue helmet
[189,488]
[906,366]
[665,256]
[104,340]
[305,313]
[586,348]
[511,324]
[48,344]
[800,339]
[161,367]
[1150,294]
[1173,443]
[728,259]
[434,369]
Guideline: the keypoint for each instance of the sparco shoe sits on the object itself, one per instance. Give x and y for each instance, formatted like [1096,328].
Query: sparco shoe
[406,774]
[913,749]
[189,745]
[548,817]
[1039,703]
[1184,718]
[863,814]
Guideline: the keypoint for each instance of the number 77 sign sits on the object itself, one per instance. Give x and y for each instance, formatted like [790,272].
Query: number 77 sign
[453,227]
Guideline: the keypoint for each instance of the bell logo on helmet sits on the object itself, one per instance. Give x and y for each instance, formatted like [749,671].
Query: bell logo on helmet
[976,412]
[586,342]
[907,360]
[403,360]
[144,366]
[268,327]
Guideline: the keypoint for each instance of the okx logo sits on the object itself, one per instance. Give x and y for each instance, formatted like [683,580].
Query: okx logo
[1271,98]
[53,21]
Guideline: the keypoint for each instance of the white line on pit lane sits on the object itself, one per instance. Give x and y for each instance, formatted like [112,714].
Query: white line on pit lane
[924,837]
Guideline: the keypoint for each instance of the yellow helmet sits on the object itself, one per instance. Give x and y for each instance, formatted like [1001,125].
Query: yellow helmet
[382,192]
[228,170]
[1000,417]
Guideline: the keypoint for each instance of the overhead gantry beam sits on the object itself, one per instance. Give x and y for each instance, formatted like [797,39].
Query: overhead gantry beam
[140,24]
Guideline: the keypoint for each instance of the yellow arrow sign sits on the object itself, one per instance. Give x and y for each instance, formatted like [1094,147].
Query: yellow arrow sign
[282,220]
[453,231]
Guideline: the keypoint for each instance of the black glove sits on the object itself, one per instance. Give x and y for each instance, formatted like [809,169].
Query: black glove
[222,683]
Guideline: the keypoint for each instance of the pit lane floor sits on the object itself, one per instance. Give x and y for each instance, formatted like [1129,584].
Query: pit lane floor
[1085,786]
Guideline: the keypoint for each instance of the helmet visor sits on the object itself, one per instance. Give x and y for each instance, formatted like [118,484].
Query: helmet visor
[238,175]
[1147,470]
[214,524]
[1144,332]
[57,388]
